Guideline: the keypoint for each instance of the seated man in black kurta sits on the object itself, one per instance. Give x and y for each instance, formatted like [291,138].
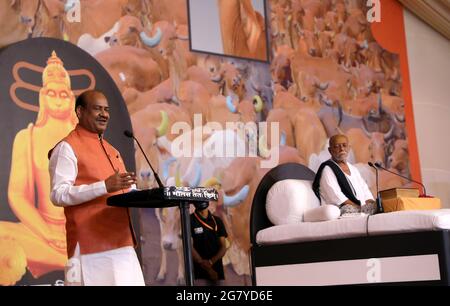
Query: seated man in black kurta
[208,235]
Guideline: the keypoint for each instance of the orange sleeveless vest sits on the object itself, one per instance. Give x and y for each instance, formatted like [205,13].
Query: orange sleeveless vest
[94,225]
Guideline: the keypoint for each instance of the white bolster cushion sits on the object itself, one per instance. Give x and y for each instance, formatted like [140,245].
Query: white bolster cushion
[288,200]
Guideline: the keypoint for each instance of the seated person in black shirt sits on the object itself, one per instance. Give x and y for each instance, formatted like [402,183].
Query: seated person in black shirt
[208,236]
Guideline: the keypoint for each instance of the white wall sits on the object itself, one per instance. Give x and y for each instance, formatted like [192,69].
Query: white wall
[429,68]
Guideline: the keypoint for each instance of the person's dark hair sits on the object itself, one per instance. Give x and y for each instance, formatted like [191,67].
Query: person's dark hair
[201,205]
[83,99]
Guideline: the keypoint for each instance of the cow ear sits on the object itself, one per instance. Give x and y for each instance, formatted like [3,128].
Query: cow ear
[55,8]
[14,3]
[390,148]
[252,28]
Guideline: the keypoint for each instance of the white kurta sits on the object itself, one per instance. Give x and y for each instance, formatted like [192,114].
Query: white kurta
[330,192]
[114,267]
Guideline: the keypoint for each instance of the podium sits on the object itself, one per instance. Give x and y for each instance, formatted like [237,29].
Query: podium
[170,197]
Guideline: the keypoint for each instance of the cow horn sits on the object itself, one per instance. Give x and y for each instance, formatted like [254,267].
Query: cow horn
[255,86]
[183,37]
[399,118]
[197,176]
[217,78]
[390,133]
[325,100]
[165,166]
[230,105]
[262,145]
[151,41]
[283,139]
[178,181]
[322,86]
[162,128]
[234,200]
[380,104]
[364,45]
[258,103]
[364,128]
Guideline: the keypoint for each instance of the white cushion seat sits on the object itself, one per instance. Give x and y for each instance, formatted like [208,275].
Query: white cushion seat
[380,224]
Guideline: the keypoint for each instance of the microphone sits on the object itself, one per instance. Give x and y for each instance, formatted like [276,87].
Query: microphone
[379,205]
[130,135]
[378,165]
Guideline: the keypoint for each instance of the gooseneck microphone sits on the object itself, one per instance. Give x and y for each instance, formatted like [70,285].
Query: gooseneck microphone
[378,165]
[130,135]
[379,205]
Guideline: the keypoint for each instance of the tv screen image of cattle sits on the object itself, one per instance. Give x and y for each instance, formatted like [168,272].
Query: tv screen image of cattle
[234,28]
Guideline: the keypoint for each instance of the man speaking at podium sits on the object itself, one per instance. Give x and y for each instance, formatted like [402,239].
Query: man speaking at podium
[84,171]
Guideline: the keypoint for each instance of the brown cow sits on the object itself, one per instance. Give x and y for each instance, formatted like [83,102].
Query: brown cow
[322,74]
[366,81]
[12,27]
[200,75]
[170,231]
[346,48]
[399,158]
[307,43]
[361,107]
[174,48]
[313,9]
[356,25]
[28,10]
[246,36]
[131,32]
[136,100]
[331,22]
[130,67]
[369,147]
[280,68]
[97,17]
[280,21]
[233,84]
[212,65]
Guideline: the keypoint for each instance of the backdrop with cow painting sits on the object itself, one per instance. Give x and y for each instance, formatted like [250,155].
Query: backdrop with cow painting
[330,71]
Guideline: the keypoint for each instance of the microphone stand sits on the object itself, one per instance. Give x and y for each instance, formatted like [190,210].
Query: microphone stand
[378,165]
[378,200]
[160,184]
